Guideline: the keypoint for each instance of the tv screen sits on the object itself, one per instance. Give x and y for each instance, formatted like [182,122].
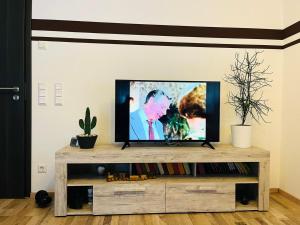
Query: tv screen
[157,111]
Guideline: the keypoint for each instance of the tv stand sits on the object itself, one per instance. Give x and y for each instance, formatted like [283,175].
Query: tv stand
[215,190]
[126,144]
[208,144]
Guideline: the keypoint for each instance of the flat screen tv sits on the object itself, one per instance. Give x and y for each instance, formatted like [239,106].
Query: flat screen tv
[167,111]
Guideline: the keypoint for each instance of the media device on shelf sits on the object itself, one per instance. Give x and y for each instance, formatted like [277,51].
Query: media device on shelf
[167,111]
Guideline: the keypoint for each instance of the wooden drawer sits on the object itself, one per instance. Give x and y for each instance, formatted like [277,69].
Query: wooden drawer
[200,197]
[127,198]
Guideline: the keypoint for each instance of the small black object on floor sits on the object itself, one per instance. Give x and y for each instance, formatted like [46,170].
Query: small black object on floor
[42,199]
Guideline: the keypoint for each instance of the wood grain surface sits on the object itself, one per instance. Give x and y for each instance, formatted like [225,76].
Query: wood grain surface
[283,211]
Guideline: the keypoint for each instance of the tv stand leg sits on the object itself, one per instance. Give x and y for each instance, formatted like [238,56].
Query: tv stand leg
[125,145]
[208,144]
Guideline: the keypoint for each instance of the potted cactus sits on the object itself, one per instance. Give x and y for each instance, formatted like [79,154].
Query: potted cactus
[87,140]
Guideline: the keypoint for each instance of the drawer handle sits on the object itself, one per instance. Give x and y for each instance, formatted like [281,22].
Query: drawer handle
[124,191]
[201,189]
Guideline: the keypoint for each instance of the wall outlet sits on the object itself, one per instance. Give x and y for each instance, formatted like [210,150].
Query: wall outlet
[42,45]
[42,168]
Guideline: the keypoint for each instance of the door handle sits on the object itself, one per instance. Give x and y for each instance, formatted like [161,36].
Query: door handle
[10,89]
[13,89]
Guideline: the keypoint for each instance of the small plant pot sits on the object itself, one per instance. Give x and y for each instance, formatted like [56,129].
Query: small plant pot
[241,136]
[87,142]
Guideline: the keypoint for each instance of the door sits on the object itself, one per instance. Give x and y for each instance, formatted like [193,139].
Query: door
[15,94]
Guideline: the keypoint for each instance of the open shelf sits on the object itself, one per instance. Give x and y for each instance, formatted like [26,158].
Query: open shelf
[86,210]
[231,169]
[86,174]
[164,169]
[248,191]
[95,169]
[80,200]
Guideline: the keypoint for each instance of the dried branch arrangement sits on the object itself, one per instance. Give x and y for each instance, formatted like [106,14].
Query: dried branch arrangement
[249,79]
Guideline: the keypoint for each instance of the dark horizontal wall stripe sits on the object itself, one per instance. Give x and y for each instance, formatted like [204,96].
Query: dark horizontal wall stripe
[156,30]
[291,30]
[154,43]
[291,44]
[164,30]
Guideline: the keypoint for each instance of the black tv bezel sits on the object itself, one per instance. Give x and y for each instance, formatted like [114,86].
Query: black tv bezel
[214,139]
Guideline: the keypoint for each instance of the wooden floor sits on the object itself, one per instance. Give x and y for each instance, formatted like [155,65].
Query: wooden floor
[282,211]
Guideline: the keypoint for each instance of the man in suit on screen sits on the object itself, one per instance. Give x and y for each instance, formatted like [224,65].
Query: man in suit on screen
[144,123]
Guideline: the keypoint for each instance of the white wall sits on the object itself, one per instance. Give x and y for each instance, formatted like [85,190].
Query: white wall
[291,9]
[88,71]
[290,154]
[229,13]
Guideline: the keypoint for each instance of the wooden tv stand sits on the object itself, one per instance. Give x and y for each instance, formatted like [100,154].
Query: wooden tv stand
[165,194]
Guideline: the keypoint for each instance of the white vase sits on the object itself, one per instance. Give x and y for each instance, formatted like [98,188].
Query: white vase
[241,136]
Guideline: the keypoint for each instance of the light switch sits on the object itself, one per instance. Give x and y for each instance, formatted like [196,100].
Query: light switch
[58,101]
[42,101]
[58,93]
[58,86]
[42,94]
[42,86]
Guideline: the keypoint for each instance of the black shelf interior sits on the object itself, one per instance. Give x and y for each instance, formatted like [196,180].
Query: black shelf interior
[91,170]
[246,192]
[163,169]
[234,169]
